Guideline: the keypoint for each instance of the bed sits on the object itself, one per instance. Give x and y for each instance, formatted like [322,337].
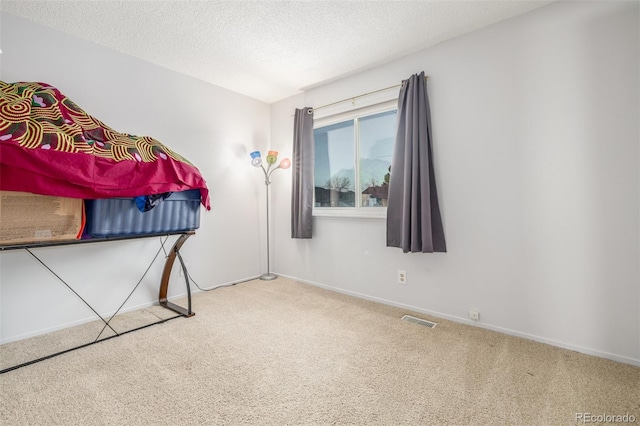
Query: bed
[49,146]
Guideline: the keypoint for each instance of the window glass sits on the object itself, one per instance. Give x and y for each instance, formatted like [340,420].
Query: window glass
[352,164]
[377,135]
[335,165]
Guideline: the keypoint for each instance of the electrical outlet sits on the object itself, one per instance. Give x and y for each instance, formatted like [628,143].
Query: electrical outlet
[402,277]
[474,315]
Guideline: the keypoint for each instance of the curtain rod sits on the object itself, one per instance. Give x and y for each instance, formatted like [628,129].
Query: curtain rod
[358,96]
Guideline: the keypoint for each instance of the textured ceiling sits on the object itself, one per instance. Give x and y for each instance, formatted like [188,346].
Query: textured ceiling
[267,49]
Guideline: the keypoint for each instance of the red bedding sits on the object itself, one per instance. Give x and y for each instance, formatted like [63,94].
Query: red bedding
[49,146]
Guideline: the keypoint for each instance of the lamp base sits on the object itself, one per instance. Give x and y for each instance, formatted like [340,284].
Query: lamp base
[268,276]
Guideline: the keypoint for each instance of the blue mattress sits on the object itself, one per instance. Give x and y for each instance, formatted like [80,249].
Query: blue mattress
[120,216]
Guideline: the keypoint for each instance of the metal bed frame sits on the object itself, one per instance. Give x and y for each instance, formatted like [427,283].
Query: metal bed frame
[162,295]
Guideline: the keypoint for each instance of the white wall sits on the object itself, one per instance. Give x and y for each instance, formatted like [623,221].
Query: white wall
[535,125]
[212,127]
[536,141]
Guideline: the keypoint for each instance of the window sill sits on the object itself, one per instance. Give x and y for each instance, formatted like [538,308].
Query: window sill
[351,213]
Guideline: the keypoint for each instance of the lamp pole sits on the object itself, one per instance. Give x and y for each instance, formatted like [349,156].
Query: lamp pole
[268,276]
[256,160]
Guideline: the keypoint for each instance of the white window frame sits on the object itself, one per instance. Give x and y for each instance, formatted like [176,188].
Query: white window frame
[338,117]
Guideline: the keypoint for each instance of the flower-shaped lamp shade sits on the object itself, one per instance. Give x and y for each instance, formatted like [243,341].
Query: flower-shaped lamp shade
[285,163]
[272,157]
[256,160]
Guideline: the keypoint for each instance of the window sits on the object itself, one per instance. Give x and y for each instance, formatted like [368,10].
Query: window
[352,163]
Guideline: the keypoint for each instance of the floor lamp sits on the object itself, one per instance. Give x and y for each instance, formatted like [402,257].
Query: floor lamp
[285,163]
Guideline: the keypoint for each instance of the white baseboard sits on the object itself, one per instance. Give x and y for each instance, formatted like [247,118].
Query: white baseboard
[510,332]
[107,315]
[75,323]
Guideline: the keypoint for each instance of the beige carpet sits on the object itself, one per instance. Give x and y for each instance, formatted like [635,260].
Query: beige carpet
[282,352]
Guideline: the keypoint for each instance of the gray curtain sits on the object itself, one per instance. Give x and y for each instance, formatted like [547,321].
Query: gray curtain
[302,188]
[414,223]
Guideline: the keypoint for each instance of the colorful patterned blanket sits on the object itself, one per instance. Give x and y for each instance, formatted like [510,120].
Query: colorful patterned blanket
[50,146]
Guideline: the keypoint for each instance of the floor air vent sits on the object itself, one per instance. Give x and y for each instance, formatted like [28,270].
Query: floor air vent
[419,321]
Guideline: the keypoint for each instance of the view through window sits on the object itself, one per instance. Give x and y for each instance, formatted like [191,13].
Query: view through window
[353,161]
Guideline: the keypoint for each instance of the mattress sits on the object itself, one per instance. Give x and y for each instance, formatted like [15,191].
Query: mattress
[121,217]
